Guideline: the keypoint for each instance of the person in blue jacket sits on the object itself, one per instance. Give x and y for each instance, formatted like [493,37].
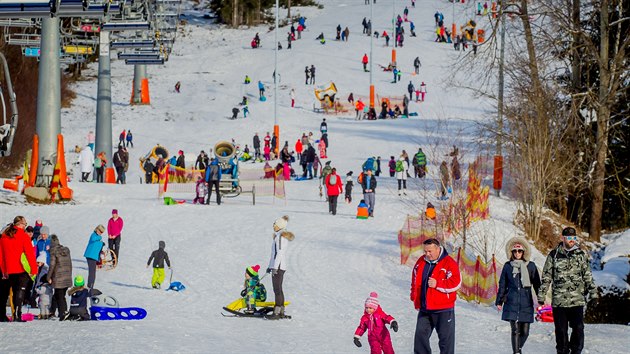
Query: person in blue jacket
[43,243]
[213,177]
[261,89]
[518,284]
[93,253]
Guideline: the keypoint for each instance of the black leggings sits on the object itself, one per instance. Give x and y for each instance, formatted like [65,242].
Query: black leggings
[17,282]
[59,299]
[520,332]
[92,272]
[276,280]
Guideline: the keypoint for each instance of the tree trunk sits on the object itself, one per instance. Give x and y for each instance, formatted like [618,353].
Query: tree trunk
[288,8]
[235,13]
[603,118]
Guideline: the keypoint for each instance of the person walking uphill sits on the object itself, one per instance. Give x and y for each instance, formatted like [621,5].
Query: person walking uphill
[365,62]
[568,273]
[518,284]
[159,256]
[92,253]
[277,263]
[15,243]
[368,183]
[334,187]
[434,282]
[114,230]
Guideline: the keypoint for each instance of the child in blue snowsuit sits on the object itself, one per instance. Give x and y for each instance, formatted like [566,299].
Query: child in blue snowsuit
[253,289]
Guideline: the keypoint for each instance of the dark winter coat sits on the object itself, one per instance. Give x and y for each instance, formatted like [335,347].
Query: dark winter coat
[159,256]
[60,269]
[518,302]
[79,301]
[372,183]
[181,161]
[200,164]
[119,159]
[310,154]
[256,142]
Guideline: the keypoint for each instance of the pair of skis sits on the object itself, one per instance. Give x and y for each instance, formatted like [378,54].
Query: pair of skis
[265,312]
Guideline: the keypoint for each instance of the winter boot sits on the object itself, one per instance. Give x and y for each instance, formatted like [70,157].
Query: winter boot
[17,316]
[282,312]
[250,309]
[276,313]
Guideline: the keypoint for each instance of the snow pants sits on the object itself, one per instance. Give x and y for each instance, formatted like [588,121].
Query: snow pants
[59,302]
[158,277]
[114,245]
[370,199]
[276,281]
[332,204]
[214,184]
[563,318]
[91,272]
[443,323]
[383,345]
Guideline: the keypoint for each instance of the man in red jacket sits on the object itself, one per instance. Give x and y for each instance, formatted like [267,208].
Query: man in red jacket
[434,283]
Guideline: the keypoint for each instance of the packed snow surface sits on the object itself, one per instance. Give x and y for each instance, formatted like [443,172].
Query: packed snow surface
[334,261]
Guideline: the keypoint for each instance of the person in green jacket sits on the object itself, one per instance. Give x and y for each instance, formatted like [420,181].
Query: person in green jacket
[568,273]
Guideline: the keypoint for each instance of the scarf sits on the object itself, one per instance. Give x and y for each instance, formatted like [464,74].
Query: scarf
[520,266]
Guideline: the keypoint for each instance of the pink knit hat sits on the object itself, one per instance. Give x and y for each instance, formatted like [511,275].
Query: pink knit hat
[372,301]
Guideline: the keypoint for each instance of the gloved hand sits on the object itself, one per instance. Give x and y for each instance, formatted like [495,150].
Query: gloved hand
[394,326]
[357,342]
[274,272]
[268,270]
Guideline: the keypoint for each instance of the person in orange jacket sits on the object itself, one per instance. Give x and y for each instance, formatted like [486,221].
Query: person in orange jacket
[359,106]
[15,273]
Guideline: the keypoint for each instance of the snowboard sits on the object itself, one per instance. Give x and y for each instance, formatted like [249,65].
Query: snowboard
[110,313]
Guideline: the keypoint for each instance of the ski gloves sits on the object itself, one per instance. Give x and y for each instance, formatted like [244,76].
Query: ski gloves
[272,271]
[357,342]
[394,326]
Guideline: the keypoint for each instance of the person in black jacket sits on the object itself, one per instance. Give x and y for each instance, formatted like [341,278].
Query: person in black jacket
[310,160]
[159,256]
[257,147]
[200,163]
[368,183]
[519,281]
[119,163]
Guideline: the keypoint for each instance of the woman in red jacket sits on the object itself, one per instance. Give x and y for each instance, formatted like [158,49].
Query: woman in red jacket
[14,245]
[334,187]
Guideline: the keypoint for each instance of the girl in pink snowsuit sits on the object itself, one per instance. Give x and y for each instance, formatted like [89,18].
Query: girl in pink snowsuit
[373,321]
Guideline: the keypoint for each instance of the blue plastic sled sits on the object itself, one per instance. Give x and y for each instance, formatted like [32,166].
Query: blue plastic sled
[301,178]
[110,313]
[176,286]
[413,114]
[263,99]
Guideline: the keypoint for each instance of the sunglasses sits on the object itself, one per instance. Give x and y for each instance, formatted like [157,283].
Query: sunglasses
[517,251]
[570,238]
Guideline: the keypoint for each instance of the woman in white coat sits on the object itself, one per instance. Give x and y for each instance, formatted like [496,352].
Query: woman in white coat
[86,159]
[402,166]
[278,264]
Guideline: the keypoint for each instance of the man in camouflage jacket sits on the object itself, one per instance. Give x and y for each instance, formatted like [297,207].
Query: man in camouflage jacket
[567,271]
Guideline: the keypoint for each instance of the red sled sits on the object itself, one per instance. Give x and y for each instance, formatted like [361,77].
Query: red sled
[544,314]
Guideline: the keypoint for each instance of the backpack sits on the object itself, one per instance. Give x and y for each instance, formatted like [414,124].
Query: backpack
[98,163]
[399,166]
[333,180]
[360,178]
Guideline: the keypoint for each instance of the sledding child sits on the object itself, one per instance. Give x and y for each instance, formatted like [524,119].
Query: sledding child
[349,184]
[253,289]
[373,321]
[362,210]
[42,287]
[159,256]
[79,296]
[202,190]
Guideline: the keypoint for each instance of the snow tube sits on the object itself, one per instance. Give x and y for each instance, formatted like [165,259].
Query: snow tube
[110,313]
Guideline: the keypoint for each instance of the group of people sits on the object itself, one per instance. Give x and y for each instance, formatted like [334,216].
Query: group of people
[436,278]
[38,269]
[89,162]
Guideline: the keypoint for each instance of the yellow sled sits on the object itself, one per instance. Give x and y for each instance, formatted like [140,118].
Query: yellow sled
[239,304]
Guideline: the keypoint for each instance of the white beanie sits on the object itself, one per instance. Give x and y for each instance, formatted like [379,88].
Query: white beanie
[42,257]
[282,222]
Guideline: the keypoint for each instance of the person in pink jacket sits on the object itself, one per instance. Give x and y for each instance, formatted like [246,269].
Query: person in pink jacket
[373,321]
[114,231]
